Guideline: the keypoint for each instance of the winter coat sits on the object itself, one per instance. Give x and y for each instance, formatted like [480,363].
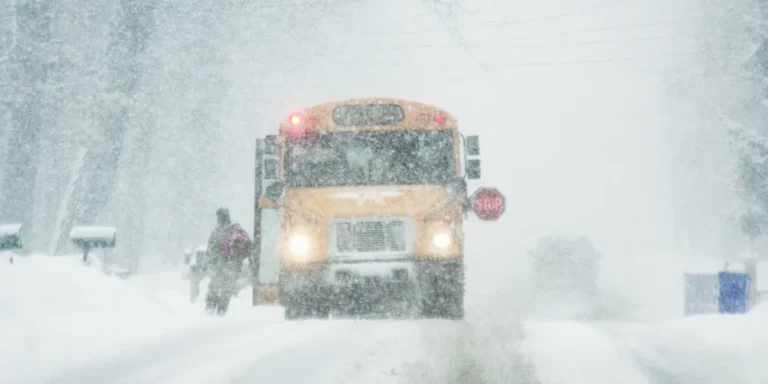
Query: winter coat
[216,244]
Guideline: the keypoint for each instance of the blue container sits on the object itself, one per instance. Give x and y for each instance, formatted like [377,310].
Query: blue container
[734,292]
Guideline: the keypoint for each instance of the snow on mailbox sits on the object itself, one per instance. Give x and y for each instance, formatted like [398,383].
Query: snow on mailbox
[93,237]
[10,237]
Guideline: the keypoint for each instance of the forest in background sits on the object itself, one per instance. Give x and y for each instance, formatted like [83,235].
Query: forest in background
[112,114]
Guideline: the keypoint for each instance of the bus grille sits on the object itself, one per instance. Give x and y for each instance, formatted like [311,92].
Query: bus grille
[370,236]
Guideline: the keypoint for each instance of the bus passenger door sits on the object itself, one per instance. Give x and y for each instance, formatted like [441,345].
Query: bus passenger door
[266,223]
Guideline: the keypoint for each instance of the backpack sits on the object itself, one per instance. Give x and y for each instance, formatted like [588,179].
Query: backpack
[235,243]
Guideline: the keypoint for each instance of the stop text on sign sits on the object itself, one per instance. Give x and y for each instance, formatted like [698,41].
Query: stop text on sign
[488,203]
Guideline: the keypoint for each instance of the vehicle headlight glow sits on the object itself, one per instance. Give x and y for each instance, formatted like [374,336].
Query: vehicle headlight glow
[441,240]
[298,244]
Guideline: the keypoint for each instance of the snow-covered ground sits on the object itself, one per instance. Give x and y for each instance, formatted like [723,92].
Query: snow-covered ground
[704,349]
[65,323]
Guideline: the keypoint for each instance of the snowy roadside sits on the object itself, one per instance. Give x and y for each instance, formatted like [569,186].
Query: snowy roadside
[58,313]
[694,350]
[700,349]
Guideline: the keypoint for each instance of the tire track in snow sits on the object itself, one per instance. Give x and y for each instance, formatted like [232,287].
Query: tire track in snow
[569,352]
[490,353]
[322,359]
[439,351]
[229,365]
[670,354]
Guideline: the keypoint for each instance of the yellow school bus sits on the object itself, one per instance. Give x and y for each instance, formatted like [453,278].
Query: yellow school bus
[361,206]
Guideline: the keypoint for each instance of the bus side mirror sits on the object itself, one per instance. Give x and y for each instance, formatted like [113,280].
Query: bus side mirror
[275,192]
[472,145]
[457,187]
[10,237]
[473,169]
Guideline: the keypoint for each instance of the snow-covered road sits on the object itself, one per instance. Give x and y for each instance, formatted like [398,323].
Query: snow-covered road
[234,352]
[317,352]
[69,324]
[431,351]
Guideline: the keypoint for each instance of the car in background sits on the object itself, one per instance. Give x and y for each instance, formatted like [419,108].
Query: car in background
[565,271]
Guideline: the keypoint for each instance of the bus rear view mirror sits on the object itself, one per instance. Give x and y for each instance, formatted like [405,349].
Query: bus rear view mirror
[10,237]
[473,169]
[472,144]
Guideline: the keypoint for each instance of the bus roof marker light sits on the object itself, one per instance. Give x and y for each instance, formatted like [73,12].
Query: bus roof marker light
[440,117]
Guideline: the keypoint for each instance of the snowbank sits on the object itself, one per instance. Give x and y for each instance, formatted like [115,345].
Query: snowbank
[58,313]
[697,349]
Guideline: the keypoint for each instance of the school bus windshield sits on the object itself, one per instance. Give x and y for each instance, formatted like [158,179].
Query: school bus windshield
[387,157]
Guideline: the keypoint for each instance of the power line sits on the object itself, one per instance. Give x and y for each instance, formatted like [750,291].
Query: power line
[589,42]
[443,65]
[497,24]
[591,8]
[459,39]
[466,45]
[596,61]
[578,30]
[619,27]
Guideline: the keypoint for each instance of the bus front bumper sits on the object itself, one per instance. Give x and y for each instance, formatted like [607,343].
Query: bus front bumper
[327,280]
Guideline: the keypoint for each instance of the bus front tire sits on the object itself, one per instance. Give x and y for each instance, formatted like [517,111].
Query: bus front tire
[302,306]
[442,292]
[445,305]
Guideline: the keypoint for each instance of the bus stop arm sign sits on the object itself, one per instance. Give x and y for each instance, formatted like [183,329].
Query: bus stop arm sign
[488,203]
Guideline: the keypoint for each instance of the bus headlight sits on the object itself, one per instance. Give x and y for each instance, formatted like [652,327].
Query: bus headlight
[441,240]
[298,244]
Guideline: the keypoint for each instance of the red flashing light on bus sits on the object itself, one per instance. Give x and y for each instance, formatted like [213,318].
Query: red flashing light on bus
[440,117]
[300,124]
[295,128]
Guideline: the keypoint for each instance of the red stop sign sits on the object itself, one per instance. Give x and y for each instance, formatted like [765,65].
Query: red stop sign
[488,203]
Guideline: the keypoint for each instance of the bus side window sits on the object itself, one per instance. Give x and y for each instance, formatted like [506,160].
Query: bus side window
[270,169]
[271,145]
[462,155]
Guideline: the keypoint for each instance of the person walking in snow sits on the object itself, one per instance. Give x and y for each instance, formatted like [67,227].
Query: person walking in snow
[198,269]
[228,246]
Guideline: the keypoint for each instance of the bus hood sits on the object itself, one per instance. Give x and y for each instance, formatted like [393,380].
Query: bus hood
[325,203]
